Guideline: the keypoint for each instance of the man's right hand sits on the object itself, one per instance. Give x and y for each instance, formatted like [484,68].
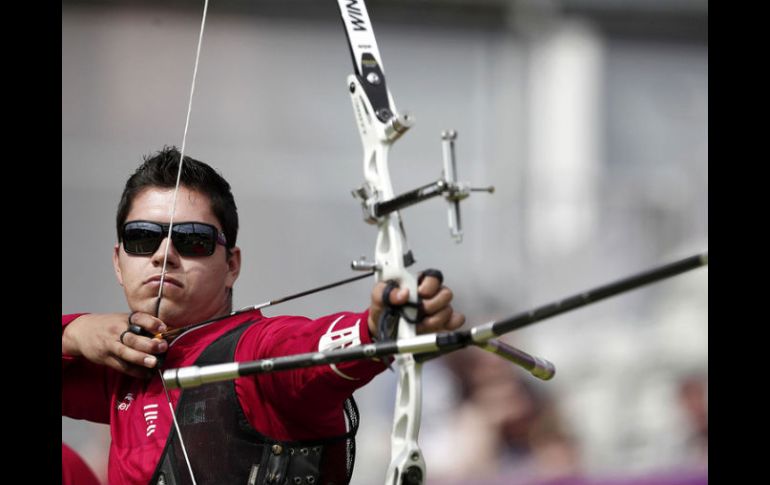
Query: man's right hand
[97,338]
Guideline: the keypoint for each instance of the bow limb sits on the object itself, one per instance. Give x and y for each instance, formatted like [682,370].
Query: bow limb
[391,258]
[380,125]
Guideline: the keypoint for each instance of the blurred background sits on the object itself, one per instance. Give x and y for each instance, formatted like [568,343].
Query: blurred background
[589,116]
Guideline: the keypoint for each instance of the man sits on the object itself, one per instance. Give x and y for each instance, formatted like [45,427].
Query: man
[286,427]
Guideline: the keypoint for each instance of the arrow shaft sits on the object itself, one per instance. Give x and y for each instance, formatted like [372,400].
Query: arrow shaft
[429,346]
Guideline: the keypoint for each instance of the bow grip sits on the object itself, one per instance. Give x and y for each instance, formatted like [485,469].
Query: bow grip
[387,326]
[388,322]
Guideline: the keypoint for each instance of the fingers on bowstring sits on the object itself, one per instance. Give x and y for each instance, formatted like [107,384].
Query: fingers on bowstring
[147,322]
[143,344]
[132,356]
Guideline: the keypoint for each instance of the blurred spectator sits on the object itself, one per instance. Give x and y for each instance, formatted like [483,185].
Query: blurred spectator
[503,426]
[693,397]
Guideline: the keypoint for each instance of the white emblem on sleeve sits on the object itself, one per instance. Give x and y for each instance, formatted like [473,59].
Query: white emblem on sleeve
[150,416]
[340,339]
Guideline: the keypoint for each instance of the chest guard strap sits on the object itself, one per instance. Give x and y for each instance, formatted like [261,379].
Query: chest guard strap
[224,448]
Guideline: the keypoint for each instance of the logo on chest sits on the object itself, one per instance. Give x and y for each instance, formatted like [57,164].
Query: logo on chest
[125,403]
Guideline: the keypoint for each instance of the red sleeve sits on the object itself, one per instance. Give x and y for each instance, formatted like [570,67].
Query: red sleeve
[290,395]
[85,386]
[75,471]
[66,320]
[291,335]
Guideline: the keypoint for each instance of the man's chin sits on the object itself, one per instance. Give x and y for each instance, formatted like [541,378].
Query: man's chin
[176,315]
[174,319]
[170,313]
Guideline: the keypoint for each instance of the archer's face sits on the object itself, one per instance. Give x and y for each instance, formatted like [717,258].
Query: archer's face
[195,288]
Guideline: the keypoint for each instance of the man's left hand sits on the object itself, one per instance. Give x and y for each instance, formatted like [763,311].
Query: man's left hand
[436,299]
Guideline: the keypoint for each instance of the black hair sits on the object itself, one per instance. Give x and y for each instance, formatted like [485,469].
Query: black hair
[161,169]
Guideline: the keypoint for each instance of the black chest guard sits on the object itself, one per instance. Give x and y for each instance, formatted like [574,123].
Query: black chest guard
[224,449]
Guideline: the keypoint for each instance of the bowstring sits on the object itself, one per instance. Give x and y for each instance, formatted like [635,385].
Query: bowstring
[171,225]
[181,159]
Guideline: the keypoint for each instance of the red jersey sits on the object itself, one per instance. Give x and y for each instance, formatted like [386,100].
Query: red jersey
[294,405]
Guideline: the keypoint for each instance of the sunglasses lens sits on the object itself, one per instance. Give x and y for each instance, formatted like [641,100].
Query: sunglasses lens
[192,239]
[142,237]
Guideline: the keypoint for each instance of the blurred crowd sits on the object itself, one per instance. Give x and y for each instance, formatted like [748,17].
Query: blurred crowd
[507,427]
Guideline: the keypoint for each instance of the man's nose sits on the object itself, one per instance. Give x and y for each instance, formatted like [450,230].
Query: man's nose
[160,253]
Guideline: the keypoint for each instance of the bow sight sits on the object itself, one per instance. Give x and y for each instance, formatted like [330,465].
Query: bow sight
[448,186]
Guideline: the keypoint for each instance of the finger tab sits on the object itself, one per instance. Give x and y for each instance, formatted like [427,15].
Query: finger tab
[137,330]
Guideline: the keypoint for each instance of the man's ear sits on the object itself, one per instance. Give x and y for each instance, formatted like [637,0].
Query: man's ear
[233,266]
[116,263]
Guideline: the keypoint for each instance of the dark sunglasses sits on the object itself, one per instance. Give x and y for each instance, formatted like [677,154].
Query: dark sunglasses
[190,238]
